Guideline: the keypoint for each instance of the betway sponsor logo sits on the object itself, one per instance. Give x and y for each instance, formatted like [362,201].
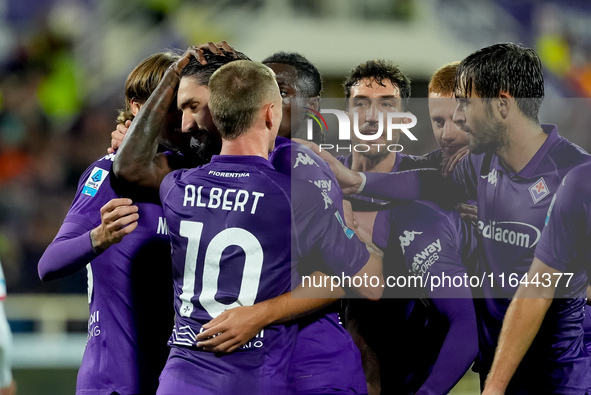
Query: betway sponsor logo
[424,259]
[325,185]
[510,232]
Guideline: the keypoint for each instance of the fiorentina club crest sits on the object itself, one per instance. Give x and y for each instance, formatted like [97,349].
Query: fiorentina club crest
[539,190]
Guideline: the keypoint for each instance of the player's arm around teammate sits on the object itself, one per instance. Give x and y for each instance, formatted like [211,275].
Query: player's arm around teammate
[137,163]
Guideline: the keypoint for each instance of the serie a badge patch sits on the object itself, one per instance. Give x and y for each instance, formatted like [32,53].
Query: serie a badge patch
[94,181]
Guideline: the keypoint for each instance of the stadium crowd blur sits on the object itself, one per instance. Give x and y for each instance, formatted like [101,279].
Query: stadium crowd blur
[52,126]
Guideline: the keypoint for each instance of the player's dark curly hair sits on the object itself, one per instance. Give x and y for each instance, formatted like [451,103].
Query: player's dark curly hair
[309,79]
[505,67]
[379,70]
[202,72]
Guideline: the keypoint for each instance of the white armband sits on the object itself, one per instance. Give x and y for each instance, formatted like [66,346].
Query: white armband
[363,181]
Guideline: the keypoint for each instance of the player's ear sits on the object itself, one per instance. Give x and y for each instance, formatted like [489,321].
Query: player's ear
[269,115]
[135,106]
[504,104]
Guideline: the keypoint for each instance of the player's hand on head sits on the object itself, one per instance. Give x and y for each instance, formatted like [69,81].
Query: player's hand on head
[192,51]
[468,212]
[230,330]
[217,48]
[197,51]
[117,136]
[118,218]
[450,163]
[225,46]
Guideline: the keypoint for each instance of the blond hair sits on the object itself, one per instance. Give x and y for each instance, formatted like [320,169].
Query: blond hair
[143,80]
[238,90]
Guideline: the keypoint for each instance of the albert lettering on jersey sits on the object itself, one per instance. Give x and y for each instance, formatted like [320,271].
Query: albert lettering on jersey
[223,199]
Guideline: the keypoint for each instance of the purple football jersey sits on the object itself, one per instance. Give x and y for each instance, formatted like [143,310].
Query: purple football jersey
[129,290]
[564,244]
[511,212]
[441,333]
[433,159]
[326,356]
[436,244]
[302,164]
[226,252]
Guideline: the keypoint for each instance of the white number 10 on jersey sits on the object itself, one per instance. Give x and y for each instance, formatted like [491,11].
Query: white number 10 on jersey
[251,276]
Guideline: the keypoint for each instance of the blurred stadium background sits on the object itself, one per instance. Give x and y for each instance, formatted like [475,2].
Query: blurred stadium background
[62,68]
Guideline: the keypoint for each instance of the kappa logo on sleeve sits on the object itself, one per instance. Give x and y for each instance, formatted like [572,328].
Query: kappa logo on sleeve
[304,159]
[94,181]
[491,177]
[539,190]
[407,237]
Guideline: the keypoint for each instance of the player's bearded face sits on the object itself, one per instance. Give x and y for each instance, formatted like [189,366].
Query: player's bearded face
[193,100]
[487,134]
[171,135]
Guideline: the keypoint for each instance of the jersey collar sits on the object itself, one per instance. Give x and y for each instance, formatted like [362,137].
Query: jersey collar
[241,159]
[530,170]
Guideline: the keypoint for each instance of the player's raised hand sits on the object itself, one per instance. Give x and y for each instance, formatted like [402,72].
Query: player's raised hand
[349,180]
[117,136]
[118,218]
[231,329]
[197,51]
[192,51]
[225,46]
[450,163]
[217,48]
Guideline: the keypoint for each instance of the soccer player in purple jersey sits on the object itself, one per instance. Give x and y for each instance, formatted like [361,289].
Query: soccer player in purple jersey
[514,168]
[194,98]
[430,240]
[314,368]
[125,249]
[452,140]
[334,366]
